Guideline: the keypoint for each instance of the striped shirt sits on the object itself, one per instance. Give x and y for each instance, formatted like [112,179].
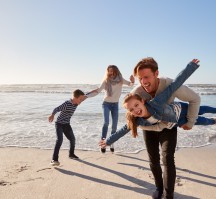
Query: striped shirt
[67,110]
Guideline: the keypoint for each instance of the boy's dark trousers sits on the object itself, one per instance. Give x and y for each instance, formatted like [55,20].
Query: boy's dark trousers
[68,132]
[167,138]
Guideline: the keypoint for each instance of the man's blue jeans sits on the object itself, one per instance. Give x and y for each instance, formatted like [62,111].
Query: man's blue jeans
[68,132]
[109,107]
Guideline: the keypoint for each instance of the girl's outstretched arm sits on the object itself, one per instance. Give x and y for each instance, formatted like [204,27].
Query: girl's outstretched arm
[114,137]
[163,97]
[103,144]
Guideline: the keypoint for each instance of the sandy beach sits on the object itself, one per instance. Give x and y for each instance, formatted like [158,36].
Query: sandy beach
[26,173]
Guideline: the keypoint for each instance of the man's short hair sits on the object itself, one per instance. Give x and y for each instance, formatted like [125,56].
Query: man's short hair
[147,62]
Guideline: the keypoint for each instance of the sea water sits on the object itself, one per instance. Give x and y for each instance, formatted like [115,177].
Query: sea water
[24,112]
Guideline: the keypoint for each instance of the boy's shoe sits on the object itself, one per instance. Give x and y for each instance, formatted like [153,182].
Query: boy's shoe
[55,163]
[112,148]
[73,156]
[103,150]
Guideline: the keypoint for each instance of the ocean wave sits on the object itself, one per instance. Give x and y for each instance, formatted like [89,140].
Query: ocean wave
[207,93]
[202,89]
[36,91]
[69,92]
[120,152]
[202,85]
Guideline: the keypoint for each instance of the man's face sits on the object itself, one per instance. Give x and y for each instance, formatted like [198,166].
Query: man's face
[136,107]
[148,79]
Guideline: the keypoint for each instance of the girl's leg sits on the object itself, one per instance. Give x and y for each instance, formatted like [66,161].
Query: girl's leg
[183,116]
[206,109]
[59,140]
[106,111]
[205,121]
[200,120]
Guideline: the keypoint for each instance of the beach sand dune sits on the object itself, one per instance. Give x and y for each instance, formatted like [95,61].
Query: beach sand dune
[26,173]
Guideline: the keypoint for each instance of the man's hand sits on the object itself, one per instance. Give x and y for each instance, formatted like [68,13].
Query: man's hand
[185,127]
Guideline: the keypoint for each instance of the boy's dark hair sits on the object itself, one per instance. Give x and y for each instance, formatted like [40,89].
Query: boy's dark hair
[147,62]
[78,93]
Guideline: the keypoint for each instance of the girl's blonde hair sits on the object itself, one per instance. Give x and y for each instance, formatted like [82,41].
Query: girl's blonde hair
[131,120]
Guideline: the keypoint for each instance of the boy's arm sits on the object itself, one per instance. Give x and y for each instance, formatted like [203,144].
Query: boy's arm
[60,108]
[51,118]
[57,109]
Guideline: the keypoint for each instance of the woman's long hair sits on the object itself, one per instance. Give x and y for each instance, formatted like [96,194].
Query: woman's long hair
[112,81]
[131,120]
[115,71]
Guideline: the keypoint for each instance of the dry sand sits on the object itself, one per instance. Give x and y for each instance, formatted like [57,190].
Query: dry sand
[26,174]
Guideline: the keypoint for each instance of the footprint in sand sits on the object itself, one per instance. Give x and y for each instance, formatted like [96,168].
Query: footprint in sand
[4,183]
[178,181]
[151,176]
[22,168]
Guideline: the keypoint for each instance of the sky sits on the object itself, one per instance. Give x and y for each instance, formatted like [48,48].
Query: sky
[73,41]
